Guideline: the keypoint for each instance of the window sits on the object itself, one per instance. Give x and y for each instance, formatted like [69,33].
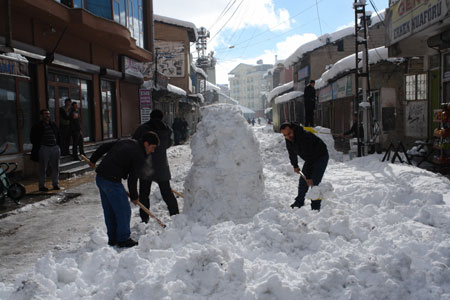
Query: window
[340,45]
[100,8]
[78,3]
[416,87]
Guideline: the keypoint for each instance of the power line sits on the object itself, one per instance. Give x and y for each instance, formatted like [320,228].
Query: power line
[271,28]
[223,13]
[318,17]
[376,10]
[242,1]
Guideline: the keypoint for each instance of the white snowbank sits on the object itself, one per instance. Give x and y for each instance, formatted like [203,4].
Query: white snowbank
[225,182]
[176,90]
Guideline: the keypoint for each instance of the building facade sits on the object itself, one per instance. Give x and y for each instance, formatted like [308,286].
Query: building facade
[247,85]
[85,50]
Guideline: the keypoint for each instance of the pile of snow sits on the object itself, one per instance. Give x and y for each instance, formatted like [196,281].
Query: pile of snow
[383,234]
[176,90]
[225,182]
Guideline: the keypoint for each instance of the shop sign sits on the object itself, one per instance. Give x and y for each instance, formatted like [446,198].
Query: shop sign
[325,94]
[13,67]
[407,17]
[161,80]
[303,73]
[145,100]
[343,87]
[139,69]
[170,58]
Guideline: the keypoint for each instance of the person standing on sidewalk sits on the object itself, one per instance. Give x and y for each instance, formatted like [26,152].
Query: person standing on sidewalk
[313,151]
[44,137]
[77,134]
[124,159]
[310,103]
[64,126]
[161,171]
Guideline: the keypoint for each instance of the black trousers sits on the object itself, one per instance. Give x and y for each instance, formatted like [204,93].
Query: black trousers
[64,140]
[166,193]
[309,117]
[77,140]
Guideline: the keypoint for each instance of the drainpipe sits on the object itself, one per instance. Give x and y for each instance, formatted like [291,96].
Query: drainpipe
[8,28]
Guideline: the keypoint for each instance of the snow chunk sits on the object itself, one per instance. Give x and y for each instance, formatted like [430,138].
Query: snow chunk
[225,182]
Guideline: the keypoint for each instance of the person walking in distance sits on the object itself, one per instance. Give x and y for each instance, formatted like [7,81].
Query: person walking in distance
[65,126]
[161,171]
[310,103]
[44,137]
[124,160]
[77,135]
[313,151]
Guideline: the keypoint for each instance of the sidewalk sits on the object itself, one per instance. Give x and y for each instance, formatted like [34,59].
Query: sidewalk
[34,195]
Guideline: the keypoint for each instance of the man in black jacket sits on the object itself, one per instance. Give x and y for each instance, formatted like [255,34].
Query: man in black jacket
[124,159]
[315,154]
[77,134]
[161,172]
[310,103]
[64,126]
[45,139]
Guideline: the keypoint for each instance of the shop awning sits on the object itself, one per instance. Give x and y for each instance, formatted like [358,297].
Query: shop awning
[288,97]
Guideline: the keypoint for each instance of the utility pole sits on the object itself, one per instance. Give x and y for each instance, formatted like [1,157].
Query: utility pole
[361,36]
[205,61]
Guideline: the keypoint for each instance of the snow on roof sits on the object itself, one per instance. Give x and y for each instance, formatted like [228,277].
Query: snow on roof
[199,70]
[279,90]
[246,110]
[375,19]
[176,22]
[348,63]
[267,110]
[327,38]
[176,90]
[14,56]
[287,97]
[200,96]
[210,87]
[228,98]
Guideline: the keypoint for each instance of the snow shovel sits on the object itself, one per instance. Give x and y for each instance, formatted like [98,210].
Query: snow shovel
[178,193]
[92,165]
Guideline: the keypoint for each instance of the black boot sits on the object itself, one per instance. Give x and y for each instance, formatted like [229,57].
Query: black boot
[297,204]
[127,244]
[315,204]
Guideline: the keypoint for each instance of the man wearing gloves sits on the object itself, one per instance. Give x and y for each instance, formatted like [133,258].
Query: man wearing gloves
[124,159]
[315,154]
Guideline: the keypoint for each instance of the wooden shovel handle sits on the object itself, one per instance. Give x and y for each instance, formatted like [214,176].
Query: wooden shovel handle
[150,214]
[178,193]
[88,161]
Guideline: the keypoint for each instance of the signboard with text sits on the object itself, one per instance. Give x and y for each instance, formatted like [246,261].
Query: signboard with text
[13,67]
[145,100]
[406,17]
[170,58]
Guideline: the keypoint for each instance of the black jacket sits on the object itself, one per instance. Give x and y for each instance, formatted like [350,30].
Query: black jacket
[306,145]
[353,131]
[160,164]
[36,133]
[124,159]
[310,97]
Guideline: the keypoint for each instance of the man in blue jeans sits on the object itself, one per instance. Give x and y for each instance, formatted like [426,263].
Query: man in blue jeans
[313,151]
[124,159]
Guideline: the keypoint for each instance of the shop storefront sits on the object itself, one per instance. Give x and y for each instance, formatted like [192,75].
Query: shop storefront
[62,85]
[16,106]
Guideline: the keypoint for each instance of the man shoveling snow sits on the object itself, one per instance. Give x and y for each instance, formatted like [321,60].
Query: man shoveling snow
[315,154]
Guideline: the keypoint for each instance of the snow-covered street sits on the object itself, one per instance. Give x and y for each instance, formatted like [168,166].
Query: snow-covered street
[384,232]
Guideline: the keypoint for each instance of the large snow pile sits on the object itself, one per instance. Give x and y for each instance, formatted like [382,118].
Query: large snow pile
[225,182]
[384,234]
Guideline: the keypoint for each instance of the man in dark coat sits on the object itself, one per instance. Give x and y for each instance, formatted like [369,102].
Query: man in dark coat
[65,126]
[45,139]
[124,159]
[313,151]
[310,103]
[161,172]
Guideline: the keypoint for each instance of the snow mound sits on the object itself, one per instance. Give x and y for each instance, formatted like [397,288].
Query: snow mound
[225,182]
[322,191]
